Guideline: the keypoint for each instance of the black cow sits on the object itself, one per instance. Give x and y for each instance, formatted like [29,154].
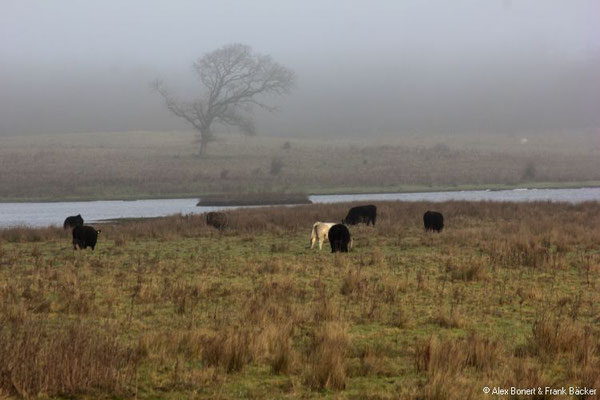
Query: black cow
[216,219]
[356,215]
[73,221]
[85,236]
[433,221]
[339,238]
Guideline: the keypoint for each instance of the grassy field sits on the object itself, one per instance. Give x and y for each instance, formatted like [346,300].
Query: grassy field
[169,308]
[136,165]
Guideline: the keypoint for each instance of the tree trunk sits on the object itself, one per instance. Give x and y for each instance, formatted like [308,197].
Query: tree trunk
[202,150]
[204,139]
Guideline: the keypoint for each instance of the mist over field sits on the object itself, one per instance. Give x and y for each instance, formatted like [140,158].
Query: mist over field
[419,220]
[363,68]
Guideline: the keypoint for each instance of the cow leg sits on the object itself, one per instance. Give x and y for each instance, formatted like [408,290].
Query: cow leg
[321,243]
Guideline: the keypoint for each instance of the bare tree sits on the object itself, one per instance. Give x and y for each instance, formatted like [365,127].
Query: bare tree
[233,79]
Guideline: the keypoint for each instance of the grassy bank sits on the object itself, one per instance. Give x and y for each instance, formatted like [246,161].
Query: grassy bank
[253,199]
[328,191]
[142,165]
[325,191]
[456,188]
[168,308]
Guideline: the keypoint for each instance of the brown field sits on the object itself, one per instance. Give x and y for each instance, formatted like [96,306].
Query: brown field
[152,164]
[506,296]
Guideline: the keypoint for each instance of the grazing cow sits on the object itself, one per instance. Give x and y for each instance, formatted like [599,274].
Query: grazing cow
[339,238]
[319,232]
[216,219]
[73,221]
[85,236]
[356,215]
[433,221]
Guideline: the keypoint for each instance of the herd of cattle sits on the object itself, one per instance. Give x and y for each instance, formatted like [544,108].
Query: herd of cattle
[85,236]
[339,235]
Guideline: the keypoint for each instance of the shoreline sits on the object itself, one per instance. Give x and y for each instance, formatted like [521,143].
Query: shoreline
[335,191]
[253,199]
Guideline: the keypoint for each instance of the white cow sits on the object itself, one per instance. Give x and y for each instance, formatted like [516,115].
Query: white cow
[319,232]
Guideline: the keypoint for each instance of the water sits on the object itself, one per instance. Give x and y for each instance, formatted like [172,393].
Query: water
[515,195]
[46,214]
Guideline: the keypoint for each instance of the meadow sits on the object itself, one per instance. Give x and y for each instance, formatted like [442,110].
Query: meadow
[134,165]
[507,295]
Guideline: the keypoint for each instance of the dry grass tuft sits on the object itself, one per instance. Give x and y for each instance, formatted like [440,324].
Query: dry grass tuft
[36,359]
[230,349]
[448,319]
[530,376]
[324,309]
[271,266]
[282,357]
[551,336]
[326,363]
[450,356]
[354,284]
[472,270]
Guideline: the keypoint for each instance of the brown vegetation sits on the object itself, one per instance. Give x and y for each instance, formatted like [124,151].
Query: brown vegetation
[506,296]
[67,360]
[153,164]
[253,199]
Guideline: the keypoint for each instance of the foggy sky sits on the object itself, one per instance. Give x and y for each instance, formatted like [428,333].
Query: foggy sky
[363,67]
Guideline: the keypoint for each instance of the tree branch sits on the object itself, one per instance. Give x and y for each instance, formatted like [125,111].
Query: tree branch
[233,78]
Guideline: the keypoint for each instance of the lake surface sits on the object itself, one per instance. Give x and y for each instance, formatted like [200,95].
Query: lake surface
[46,214]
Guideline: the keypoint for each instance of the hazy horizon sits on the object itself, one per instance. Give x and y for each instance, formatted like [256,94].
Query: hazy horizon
[362,68]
